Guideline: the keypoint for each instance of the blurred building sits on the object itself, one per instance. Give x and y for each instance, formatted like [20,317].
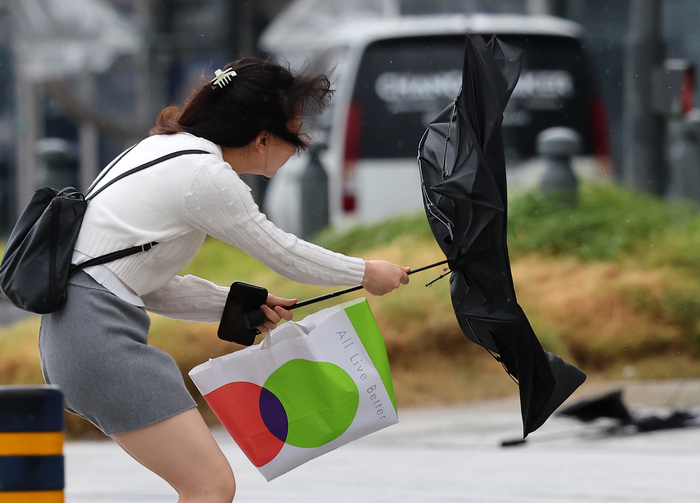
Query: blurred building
[6,121]
[82,79]
[91,75]
[606,23]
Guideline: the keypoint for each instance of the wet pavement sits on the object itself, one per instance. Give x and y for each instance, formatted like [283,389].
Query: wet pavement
[436,455]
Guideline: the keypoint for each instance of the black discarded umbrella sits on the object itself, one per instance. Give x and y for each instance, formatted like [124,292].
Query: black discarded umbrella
[626,422]
[462,168]
[609,405]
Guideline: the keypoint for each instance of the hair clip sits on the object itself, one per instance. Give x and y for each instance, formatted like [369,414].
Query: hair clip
[222,78]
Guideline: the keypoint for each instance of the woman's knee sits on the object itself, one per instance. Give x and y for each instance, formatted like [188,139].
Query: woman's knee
[224,485]
[220,487]
[227,489]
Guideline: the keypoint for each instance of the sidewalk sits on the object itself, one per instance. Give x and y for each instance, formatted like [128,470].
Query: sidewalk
[435,455]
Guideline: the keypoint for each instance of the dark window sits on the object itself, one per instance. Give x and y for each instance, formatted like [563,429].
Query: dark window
[556,88]
[402,84]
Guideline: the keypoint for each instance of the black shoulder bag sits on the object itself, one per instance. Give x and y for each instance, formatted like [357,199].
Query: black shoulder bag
[36,265]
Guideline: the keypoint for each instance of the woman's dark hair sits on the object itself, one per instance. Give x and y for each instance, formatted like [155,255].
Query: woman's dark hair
[262,96]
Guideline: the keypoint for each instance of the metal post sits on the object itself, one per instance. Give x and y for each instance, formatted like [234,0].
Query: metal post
[147,102]
[684,159]
[89,136]
[58,163]
[28,129]
[643,133]
[557,145]
[246,37]
[539,7]
[314,194]
[31,444]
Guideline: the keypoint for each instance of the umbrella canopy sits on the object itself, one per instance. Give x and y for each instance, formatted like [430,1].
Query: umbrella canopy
[462,167]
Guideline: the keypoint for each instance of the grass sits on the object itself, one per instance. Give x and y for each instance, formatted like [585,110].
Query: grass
[612,286]
[609,224]
[362,238]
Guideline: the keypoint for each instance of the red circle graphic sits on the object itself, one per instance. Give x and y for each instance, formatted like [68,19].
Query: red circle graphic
[237,405]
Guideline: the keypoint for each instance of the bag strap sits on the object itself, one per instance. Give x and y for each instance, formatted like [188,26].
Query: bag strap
[108,168]
[148,164]
[109,257]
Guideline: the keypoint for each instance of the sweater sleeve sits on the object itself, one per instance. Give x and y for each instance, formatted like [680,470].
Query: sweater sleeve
[188,298]
[218,202]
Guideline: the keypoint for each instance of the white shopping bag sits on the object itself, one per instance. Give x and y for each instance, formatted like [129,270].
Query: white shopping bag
[308,388]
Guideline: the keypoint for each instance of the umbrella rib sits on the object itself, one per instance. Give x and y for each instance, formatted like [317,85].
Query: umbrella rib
[431,205]
[445,272]
[447,137]
[493,354]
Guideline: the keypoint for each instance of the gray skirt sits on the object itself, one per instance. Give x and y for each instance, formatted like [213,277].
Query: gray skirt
[96,350]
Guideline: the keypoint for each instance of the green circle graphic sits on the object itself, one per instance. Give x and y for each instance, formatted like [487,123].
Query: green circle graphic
[320,399]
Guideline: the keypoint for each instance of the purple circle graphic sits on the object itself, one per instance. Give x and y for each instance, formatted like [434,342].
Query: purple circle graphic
[273,414]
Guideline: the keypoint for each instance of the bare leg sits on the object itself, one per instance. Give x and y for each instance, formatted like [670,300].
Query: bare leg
[182,450]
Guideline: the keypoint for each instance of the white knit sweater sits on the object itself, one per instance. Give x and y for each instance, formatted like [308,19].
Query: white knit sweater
[177,203]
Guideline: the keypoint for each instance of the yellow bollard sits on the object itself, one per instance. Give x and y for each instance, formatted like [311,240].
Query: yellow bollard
[31,444]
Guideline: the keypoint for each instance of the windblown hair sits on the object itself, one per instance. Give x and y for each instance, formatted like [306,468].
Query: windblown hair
[262,96]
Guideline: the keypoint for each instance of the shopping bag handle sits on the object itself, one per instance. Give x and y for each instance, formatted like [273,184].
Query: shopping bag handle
[281,334]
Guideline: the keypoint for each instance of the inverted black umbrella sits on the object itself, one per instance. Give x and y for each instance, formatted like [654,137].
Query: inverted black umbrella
[462,168]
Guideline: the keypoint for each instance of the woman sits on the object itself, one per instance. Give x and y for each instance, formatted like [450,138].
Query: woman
[247,120]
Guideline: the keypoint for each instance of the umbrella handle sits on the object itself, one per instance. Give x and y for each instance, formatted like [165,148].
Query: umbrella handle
[353,288]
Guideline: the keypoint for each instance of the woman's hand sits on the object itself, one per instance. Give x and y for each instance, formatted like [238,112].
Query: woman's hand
[274,311]
[382,277]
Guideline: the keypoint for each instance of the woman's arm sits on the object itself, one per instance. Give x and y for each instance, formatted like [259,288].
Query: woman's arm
[188,298]
[191,298]
[382,277]
[219,203]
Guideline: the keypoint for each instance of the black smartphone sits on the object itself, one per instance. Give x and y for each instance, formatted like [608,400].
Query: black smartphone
[242,313]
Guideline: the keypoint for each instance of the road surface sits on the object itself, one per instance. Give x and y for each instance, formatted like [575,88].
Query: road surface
[436,455]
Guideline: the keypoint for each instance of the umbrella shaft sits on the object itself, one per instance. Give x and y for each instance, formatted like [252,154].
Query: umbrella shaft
[354,288]
[428,267]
